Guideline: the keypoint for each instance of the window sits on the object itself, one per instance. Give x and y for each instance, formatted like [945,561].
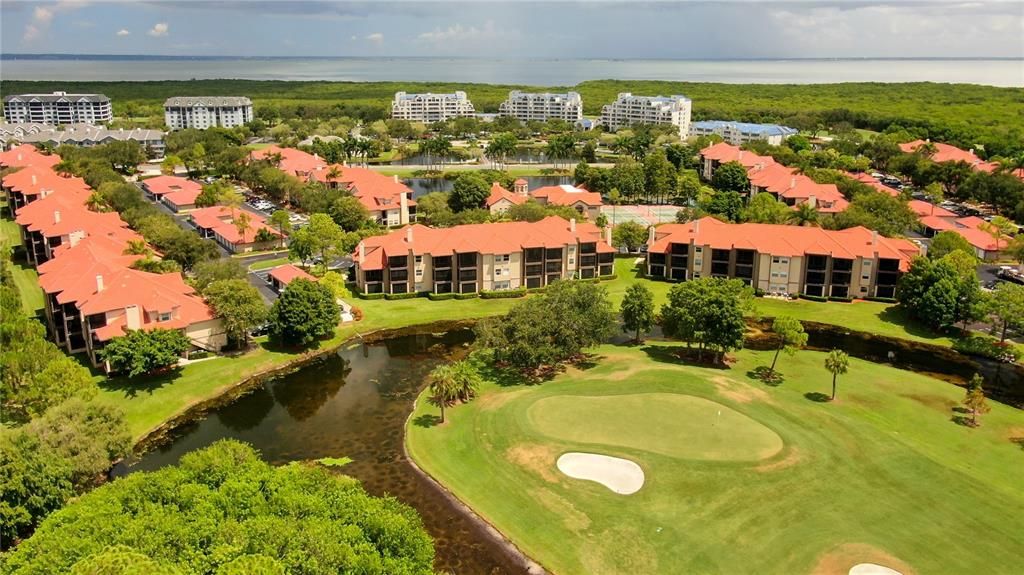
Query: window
[572,260]
[865,277]
[501,258]
[165,317]
[698,263]
[501,285]
[419,260]
[419,273]
[867,263]
[497,272]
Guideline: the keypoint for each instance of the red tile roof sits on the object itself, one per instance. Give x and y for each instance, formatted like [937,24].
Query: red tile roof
[289,272]
[943,152]
[27,155]
[62,214]
[375,191]
[294,162]
[723,153]
[937,223]
[220,219]
[499,193]
[151,293]
[161,185]
[783,240]
[922,208]
[868,180]
[40,180]
[71,276]
[566,195]
[493,238]
[182,197]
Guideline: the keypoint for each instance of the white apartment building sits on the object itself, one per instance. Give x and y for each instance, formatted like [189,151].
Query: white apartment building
[532,106]
[57,108]
[202,112]
[628,110]
[431,107]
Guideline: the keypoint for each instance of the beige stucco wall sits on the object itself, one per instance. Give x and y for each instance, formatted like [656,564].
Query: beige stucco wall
[210,333]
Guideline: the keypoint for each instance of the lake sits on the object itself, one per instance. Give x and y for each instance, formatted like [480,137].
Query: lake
[538,72]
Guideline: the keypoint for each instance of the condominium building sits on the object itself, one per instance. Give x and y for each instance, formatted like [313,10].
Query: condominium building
[532,106]
[781,259]
[482,257]
[222,225]
[58,108]
[628,110]
[202,112]
[388,201]
[430,107]
[738,133]
[84,135]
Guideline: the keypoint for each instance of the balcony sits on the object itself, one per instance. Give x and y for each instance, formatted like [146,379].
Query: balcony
[467,275]
[553,267]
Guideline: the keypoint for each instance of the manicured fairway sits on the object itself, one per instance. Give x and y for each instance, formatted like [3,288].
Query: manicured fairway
[881,476]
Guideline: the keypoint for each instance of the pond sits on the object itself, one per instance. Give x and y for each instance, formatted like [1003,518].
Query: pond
[353,403]
[423,186]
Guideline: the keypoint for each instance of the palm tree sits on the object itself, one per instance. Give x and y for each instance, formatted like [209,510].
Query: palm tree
[998,228]
[927,149]
[280,220]
[804,215]
[96,203]
[837,362]
[242,224]
[136,248]
[443,387]
[467,380]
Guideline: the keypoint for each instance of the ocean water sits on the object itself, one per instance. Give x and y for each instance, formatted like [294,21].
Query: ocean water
[552,72]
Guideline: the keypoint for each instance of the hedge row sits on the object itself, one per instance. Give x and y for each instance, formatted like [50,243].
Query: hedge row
[504,294]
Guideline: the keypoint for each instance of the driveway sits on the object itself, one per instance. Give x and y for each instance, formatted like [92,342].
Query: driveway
[258,279]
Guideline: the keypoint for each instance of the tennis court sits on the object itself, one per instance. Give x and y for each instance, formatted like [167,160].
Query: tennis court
[643,215]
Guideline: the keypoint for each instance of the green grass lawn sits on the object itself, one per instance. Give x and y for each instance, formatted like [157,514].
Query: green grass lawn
[881,475]
[25,277]
[267,264]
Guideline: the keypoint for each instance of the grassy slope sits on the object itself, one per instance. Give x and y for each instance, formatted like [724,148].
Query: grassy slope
[149,403]
[25,278]
[882,467]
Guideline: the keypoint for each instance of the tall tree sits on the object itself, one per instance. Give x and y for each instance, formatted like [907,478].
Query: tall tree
[324,236]
[946,242]
[349,213]
[708,312]
[791,336]
[660,177]
[500,148]
[304,313]
[837,362]
[240,307]
[731,177]
[281,220]
[1007,308]
[999,228]
[765,209]
[469,191]
[629,235]
[637,310]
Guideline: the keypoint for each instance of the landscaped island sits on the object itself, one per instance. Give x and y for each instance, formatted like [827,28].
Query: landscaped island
[736,472]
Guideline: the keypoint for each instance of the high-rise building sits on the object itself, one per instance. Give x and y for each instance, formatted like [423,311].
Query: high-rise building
[204,112]
[430,107]
[57,108]
[532,106]
[628,110]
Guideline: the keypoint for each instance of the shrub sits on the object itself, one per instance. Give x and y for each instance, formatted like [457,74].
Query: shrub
[990,347]
[409,295]
[813,297]
[473,295]
[503,294]
[363,295]
[142,352]
[608,277]
[881,299]
[440,296]
[842,299]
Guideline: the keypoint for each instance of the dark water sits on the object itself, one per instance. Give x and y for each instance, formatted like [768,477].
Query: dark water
[423,186]
[352,404]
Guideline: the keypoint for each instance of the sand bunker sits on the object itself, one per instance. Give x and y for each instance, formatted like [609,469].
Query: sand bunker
[620,475]
[872,569]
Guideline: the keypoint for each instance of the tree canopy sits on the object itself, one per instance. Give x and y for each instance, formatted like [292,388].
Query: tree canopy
[541,332]
[940,293]
[469,191]
[707,312]
[305,312]
[141,351]
[223,510]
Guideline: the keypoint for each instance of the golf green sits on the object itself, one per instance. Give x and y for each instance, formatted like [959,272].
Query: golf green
[670,424]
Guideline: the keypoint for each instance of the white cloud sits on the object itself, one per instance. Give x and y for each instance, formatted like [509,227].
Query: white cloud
[459,33]
[376,38]
[158,30]
[42,15]
[123,32]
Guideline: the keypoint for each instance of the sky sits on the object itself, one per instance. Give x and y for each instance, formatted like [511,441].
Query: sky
[518,29]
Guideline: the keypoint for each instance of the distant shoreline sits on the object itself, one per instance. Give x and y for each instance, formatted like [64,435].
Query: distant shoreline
[129,57]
